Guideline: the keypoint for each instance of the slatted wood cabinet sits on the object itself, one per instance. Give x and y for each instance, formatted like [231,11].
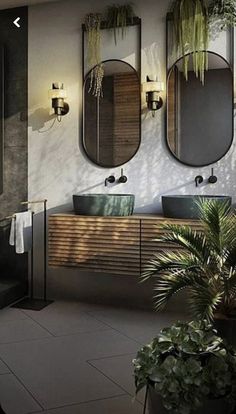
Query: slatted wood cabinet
[116,245]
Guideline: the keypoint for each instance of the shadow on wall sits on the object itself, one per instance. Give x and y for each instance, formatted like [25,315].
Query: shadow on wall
[39,118]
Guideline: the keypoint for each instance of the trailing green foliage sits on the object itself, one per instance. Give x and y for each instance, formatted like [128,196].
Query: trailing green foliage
[204,264]
[190,21]
[222,13]
[186,364]
[93,23]
[118,17]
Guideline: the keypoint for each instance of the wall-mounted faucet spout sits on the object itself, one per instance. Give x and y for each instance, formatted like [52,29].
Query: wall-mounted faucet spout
[111,179]
[198,180]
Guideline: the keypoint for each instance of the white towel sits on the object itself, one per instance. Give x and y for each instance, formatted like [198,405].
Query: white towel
[21,232]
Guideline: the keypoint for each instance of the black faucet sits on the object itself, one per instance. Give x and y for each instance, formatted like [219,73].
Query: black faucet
[111,179]
[123,178]
[198,180]
[212,179]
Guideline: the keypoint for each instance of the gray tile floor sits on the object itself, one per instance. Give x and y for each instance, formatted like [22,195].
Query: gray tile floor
[73,358]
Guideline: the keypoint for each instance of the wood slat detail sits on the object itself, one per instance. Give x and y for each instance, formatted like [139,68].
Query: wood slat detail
[95,263]
[108,244]
[99,261]
[151,230]
[96,269]
[104,234]
[97,244]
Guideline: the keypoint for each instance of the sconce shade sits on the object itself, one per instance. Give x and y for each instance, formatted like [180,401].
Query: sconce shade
[152,89]
[152,86]
[58,95]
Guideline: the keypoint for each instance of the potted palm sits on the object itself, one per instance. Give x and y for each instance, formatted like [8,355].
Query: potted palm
[187,369]
[204,265]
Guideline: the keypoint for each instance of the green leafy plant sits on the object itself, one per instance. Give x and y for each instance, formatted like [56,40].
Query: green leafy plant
[186,364]
[118,17]
[93,24]
[191,34]
[204,264]
[222,13]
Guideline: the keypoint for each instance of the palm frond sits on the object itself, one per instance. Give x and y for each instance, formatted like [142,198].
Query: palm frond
[204,302]
[185,237]
[204,262]
[171,283]
[230,256]
[170,261]
[230,286]
[219,222]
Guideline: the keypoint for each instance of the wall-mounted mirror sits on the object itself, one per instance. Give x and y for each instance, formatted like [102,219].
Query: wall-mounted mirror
[200,117]
[112,123]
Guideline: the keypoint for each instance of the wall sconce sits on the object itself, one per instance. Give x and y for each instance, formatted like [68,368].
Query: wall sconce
[58,95]
[152,88]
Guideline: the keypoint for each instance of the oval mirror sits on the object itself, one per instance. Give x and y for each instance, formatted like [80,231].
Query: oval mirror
[200,117]
[112,123]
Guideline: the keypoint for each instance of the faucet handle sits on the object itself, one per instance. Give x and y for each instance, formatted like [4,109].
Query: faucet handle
[123,178]
[212,179]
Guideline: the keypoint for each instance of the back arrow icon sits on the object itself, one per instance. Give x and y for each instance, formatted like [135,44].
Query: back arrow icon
[16,22]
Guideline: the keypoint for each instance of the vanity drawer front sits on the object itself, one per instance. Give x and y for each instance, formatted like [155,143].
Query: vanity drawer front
[98,244]
[152,229]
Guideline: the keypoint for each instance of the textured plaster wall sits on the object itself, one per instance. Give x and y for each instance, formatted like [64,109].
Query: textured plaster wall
[58,167]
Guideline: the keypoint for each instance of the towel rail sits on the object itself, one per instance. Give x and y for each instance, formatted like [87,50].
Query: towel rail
[34,202]
[9,217]
[31,303]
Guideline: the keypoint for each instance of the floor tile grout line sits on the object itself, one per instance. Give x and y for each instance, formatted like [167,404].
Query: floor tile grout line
[23,385]
[83,402]
[110,379]
[74,333]
[109,357]
[41,326]
[120,332]
[43,338]
[84,332]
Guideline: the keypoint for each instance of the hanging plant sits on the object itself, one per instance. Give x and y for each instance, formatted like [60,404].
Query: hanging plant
[93,28]
[118,17]
[191,34]
[222,13]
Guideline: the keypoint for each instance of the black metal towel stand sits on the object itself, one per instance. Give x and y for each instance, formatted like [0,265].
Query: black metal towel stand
[31,303]
[145,400]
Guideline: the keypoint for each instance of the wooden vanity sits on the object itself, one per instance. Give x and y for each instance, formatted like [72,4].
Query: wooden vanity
[116,245]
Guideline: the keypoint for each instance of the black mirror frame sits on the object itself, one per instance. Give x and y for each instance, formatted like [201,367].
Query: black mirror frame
[166,112]
[231,64]
[136,21]
[83,122]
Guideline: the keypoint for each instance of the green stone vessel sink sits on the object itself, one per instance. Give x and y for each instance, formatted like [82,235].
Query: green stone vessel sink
[104,204]
[184,206]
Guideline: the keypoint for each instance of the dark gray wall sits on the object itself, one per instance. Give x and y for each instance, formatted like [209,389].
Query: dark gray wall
[206,113]
[15,42]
